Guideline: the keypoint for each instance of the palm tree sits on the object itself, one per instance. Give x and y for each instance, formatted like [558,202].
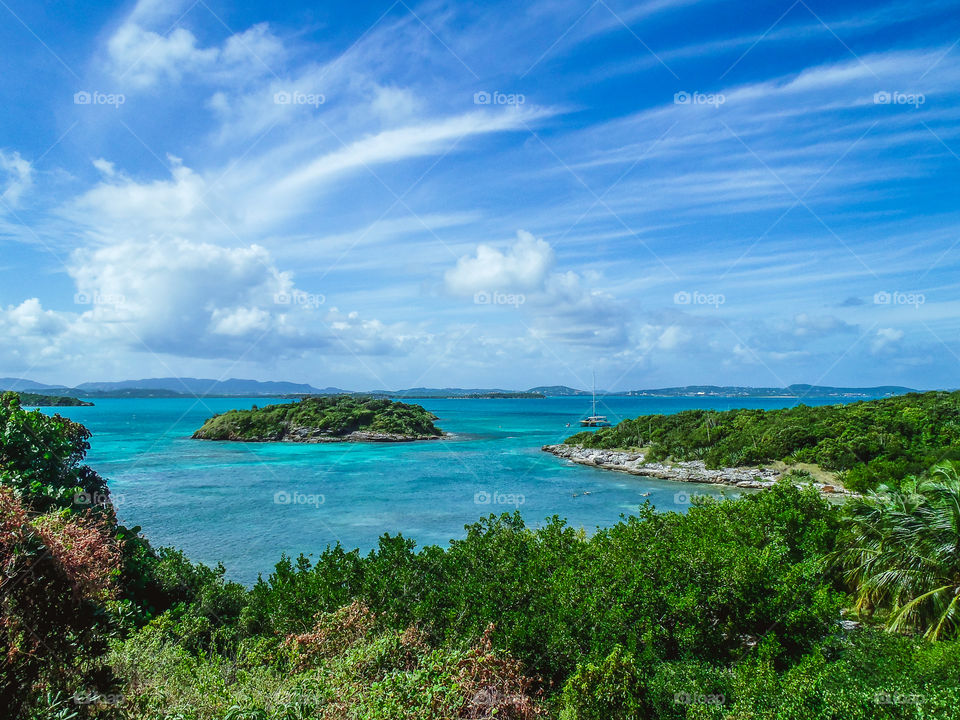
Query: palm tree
[903,553]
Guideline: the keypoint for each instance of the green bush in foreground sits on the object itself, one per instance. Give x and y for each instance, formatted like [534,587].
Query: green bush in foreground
[902,556]
[41,459]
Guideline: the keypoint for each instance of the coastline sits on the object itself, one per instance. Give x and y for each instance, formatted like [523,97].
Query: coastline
[692,471]
[307,439]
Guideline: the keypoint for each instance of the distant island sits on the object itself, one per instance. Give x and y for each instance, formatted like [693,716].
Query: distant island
[494,395]
[36,400]
[340,418]
[799,390]
[559,391]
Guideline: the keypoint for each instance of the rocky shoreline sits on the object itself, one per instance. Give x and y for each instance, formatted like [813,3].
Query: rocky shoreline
[362,436]
[694,471]
[311,435]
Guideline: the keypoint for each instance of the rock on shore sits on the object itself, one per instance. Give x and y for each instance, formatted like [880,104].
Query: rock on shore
[685,471]
[308,435]
[314,435]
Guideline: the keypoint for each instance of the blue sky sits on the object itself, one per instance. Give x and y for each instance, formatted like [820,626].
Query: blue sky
[378,195]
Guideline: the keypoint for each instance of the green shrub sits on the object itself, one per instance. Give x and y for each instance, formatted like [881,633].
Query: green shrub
[614,688]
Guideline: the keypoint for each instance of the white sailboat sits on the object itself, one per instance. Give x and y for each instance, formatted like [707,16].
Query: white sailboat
[595,420]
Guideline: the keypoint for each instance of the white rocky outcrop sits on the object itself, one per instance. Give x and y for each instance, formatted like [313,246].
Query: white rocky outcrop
[684,471]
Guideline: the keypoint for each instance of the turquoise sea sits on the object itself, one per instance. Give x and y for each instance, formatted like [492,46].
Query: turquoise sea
[244,504]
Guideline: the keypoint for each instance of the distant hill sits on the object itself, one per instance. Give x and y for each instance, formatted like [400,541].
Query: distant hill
[22,384]
[798,390]
[202,386]
[423,392]
[559,391]
[123,393]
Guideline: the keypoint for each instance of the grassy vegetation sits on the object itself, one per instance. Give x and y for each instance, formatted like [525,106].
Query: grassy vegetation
[872,442]
[733,610]
[321,417]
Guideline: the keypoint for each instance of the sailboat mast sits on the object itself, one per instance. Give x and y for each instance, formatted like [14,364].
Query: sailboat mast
[594,393]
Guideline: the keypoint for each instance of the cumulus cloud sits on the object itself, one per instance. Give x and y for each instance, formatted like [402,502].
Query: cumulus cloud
[191,300]
[522,266]
[172,287]
[141,57]
[32,335]
[119,206]
[560,305]
[200,300]
[145,56]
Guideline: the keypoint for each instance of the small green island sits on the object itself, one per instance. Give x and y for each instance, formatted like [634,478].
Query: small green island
[339,418]
[37,400]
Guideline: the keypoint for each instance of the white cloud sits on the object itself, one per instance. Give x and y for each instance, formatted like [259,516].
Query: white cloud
[32,336]
[120,208]
[180,296]
[190,300]
[816,326]
[522,266]
[561,306]
[16,177]
[886,339]
[672,337]
[106,167]
[392,145]
[143,57]
[139,56]
[258,193]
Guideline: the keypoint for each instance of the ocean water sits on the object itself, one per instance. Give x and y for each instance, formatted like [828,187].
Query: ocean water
[243,504]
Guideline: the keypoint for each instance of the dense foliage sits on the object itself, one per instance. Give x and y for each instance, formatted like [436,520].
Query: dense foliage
[38,400]
[730,611]
[902,556]
[724,612]
[41,458]
[321,417]
[59,556]
[869,442]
